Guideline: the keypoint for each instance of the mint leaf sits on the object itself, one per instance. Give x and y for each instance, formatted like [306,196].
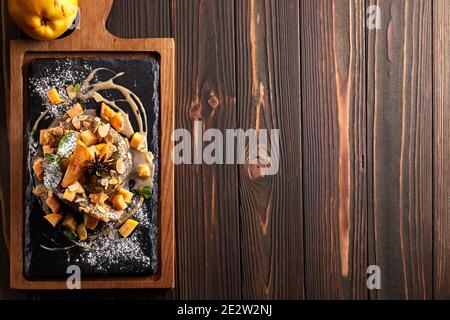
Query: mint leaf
[70,234]
[145,192]
[67,145]
[51,157]
[77,87]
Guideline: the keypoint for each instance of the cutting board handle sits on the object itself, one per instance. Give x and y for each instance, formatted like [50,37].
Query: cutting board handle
[93,17]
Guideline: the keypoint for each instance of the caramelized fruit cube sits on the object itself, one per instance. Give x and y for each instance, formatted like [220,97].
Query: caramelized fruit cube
[54,97]
[127,195]
[76,166]
[69,195]
[137,140]
[53,218]
[127,228]
[70,223]
[119,202]
[106,112]
[143,170]
[117,122]
[90,222]
[76,110]
[38,169]
[53,203]
[82,232]
[88,137]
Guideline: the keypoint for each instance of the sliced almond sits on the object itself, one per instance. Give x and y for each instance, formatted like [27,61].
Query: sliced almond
[103,130]
[101,209]
[82,117]
[109,138]
[120,166]
[76,123]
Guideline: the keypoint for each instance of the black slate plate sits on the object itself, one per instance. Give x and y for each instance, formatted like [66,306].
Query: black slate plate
[140,257]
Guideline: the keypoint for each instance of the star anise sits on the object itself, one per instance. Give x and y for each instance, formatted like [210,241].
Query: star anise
[99,166]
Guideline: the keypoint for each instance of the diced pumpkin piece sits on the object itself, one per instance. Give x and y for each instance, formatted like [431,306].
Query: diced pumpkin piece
[76,187]
[76,167]
[137,140]
[69,195]
[82,232]
[54,97]
[119,202]
[38,169]
[103,150]
[127,195]
[53,218]
[44,137]
[74,111]
[70,222]
[39,190]
[117,122]
[53,203]
[98,198]
[106,112]
[47,149]
[127,228]
[90,222]
[88,137]
[143,170]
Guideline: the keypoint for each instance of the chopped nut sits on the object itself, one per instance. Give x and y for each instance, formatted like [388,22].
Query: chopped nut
[103,130]
[86,124]
[40,190]
[101,209]
[109,138]
[83,117]
[120,166]
[76,123]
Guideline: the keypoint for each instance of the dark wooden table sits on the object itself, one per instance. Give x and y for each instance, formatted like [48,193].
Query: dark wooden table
[364,117]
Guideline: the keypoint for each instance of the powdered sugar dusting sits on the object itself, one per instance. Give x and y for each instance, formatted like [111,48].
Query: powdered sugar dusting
[62,74]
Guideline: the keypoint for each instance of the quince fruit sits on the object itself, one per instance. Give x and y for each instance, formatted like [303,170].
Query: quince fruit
[43,19]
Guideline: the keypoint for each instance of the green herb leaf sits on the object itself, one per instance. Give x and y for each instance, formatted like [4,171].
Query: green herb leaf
[145,192]
[77,87]
[67,145]
[51,157]
[70,234]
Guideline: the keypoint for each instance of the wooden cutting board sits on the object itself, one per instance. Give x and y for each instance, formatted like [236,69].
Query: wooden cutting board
[93,40]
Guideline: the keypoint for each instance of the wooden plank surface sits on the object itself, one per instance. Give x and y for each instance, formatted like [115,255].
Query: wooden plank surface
[334,128]
[441,172]
[207,201]
[400,143]
[271,207]
[359,182]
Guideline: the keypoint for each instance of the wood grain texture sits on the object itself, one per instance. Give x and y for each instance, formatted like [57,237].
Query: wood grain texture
[400,143]
[89,40]
[441,153]
[334,129]
[271,207]
[207,201]
[359,156]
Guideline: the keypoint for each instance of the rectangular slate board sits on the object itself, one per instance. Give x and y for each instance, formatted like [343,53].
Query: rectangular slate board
[141,75]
